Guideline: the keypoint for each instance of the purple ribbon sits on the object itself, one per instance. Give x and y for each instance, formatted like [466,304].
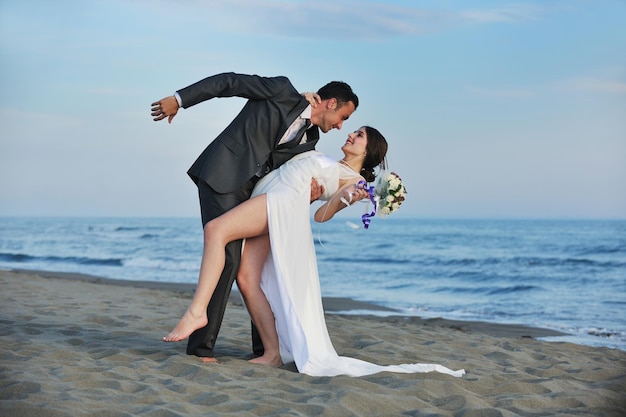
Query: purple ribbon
[367,217]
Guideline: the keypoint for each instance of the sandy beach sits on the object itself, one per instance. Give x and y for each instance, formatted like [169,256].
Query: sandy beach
[74,345]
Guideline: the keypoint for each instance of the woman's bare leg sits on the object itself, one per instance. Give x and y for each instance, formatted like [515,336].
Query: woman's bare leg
[253,257]
[248,219]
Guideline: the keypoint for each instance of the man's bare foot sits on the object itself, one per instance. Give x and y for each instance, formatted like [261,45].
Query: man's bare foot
[208,360]
[187,325]
[270,360]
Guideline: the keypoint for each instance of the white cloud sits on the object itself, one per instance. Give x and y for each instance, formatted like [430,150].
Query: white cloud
[20,121]
[346,19]
[593,85]
[581,84]
[516,13]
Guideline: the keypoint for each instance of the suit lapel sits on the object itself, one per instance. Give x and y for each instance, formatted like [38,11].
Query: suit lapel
[282,154]
[287,121]
[296,140]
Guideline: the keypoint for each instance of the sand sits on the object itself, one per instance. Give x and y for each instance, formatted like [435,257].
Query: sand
[73,345]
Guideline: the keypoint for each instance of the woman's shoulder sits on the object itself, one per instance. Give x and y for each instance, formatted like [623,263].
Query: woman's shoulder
[348,175]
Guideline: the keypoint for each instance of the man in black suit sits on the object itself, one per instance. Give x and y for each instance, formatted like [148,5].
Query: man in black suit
[275,124]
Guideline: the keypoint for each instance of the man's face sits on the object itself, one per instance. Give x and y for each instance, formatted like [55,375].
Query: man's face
[333,116]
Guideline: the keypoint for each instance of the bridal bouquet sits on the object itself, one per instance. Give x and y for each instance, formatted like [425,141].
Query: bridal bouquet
[386,196]
[390,192]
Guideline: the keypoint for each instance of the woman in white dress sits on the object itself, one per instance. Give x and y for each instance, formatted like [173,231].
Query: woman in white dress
[278,276]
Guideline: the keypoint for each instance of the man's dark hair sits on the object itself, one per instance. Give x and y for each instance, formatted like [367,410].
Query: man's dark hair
[341,91]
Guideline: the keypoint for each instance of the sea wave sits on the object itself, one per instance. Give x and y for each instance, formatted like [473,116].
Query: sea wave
[527,261]
[486,290]
[80,260]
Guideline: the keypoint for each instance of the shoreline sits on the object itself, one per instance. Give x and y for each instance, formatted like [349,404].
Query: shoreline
[79,346]
[331,305]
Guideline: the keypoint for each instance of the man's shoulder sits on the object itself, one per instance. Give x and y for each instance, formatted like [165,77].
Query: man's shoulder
[276,79]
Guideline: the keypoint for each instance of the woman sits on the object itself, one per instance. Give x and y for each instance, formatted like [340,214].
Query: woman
[278,274]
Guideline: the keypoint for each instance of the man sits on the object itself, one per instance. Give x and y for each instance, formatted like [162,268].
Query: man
[275,124]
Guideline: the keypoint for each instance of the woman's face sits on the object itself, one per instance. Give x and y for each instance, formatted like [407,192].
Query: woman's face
[356,144]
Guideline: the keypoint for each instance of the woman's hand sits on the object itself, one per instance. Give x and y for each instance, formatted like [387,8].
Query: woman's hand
[313,98]
[347,195]
[354,193]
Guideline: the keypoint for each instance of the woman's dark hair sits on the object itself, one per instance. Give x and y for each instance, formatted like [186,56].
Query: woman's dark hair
[376,151]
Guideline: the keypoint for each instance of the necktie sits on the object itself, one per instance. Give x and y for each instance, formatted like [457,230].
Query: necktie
[297,140]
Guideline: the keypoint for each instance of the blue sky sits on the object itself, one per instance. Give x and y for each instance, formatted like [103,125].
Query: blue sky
[493,109]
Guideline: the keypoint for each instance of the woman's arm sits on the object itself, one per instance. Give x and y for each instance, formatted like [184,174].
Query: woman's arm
[350,193]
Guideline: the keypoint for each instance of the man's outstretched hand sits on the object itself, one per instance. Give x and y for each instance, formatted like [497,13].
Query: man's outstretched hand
[166,107]
[316,190]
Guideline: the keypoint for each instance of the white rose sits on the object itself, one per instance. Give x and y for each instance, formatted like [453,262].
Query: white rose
[390,198]
[394,183]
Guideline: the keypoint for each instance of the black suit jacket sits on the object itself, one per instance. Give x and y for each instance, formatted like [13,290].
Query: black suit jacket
[249,144]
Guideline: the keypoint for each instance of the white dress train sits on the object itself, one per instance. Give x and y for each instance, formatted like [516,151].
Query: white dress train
[290,277]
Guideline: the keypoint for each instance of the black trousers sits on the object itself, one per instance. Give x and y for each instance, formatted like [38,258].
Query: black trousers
[213,204]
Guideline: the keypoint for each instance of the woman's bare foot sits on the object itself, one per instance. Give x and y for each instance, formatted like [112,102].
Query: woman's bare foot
[187,325]
[271,360]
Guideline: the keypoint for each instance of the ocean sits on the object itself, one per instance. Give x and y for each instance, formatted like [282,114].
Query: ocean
[566,275]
